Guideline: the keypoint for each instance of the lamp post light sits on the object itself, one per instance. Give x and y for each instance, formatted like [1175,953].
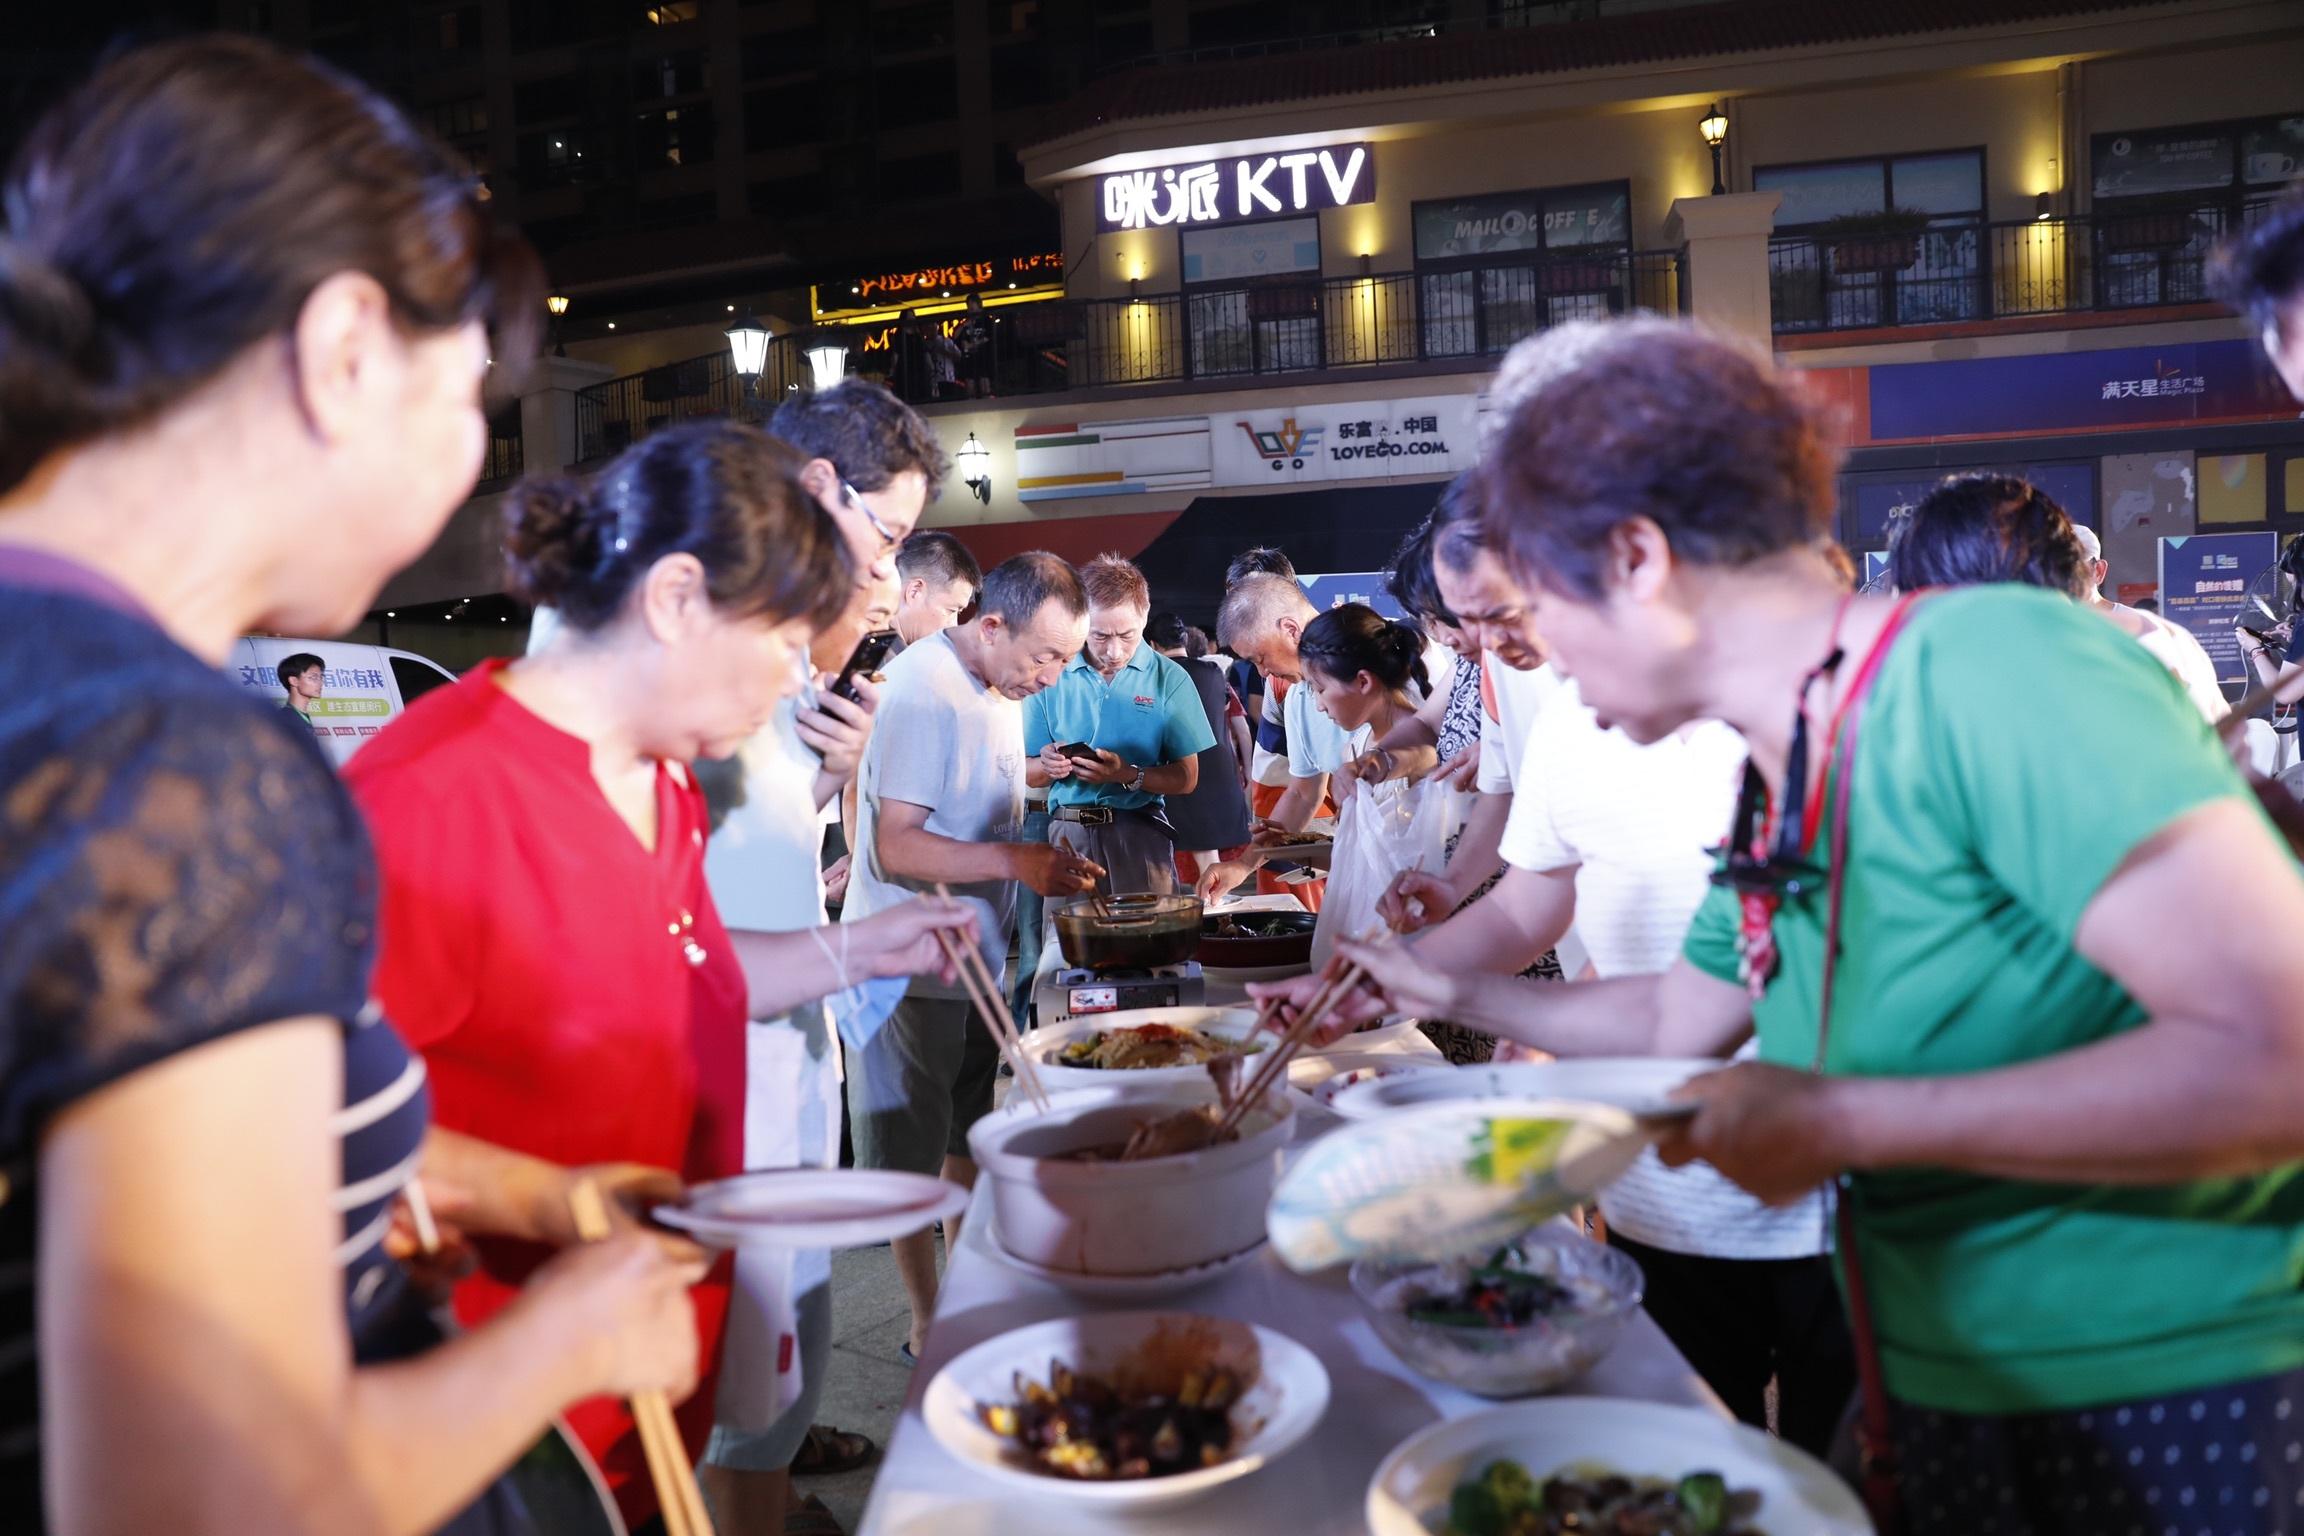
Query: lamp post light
[558,305]
[827,362]
[748,351]
[1714,127]
[974,461]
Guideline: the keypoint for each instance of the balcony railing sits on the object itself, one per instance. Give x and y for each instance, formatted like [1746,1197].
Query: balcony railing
[2106,260]
[614,413]
[505,459]
[1270,329]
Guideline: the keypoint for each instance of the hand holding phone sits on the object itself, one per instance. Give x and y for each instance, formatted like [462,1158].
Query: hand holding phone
[865,660]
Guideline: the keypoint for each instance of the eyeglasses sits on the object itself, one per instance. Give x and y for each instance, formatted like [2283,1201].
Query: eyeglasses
[856,499]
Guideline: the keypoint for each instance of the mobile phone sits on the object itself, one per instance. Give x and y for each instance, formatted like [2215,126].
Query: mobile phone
[1078,751]
[865,660]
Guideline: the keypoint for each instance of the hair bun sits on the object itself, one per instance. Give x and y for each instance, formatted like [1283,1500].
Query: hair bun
[551,537]
[50,393]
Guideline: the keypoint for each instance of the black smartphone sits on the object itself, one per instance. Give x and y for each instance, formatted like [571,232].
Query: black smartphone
[1078,751]
[863,661]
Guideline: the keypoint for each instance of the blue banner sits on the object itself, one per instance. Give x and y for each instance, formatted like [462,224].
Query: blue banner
[2064,391]
[2204,584]
[1334,590]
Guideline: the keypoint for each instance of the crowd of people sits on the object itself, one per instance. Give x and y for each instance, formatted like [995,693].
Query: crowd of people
[1990,1021]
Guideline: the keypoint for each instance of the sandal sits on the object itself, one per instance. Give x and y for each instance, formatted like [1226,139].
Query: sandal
[828,1452]
[810,1517]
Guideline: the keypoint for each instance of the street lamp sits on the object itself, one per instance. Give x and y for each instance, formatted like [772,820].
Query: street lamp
[1715,131]
[558,304]
[974,461]
[827,362]
[747,347]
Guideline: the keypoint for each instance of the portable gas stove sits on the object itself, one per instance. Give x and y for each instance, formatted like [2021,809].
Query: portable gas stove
[1079,991]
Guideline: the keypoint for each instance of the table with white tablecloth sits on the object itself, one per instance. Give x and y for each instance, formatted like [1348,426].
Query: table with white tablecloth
[1317,1489]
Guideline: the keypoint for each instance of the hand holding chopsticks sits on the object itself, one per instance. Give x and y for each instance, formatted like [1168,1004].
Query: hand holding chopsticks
[681,1501]
[984,991]
[1343,977]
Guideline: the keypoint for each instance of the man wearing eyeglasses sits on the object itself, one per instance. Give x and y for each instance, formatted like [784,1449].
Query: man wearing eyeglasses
[873,465]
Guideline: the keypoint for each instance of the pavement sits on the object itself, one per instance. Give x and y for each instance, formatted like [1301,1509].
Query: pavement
[865,1387]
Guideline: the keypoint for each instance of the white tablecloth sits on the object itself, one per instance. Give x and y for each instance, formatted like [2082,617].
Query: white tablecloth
[1315,1490]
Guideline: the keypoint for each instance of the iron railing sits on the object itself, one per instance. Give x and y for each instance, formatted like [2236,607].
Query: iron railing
[1271,328]
[2143,259]
[505,458]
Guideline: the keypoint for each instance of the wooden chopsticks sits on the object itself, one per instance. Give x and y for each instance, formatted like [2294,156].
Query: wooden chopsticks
[681,1501]
[984,992]
[1275,1065]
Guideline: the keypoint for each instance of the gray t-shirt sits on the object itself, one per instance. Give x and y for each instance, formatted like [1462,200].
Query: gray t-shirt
[943,740]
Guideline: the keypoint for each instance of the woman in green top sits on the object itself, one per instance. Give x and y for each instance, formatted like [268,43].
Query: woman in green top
[2064,1058]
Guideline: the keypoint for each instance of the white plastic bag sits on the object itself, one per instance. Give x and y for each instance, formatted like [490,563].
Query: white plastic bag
[1381,831]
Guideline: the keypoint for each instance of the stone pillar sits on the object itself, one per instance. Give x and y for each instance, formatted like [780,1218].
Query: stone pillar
[548,411]
[1724,243]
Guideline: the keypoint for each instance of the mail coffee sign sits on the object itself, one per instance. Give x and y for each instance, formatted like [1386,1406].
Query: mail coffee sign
[1227,191]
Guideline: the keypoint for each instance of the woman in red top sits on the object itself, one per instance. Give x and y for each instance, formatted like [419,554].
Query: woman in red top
[547,938]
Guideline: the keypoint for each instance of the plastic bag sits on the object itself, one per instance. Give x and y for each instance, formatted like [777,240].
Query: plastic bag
[1381,831]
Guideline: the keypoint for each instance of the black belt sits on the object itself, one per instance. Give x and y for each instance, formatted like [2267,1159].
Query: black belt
[1105,815]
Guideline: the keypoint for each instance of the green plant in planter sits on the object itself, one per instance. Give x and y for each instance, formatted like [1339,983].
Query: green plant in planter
[1887,241]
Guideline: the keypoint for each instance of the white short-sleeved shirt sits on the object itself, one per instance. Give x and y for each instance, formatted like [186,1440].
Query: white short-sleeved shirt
[2180,651]
[943,740]
[1520,698]
[1635,823]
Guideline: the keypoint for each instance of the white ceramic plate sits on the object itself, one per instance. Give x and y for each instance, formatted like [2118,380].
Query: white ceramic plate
[1321,1080]
[1281,1406]
[1173,1282]
[1445,1180]
[1409,1494]
[813,1208]
[1632,1082]
[1044,1045]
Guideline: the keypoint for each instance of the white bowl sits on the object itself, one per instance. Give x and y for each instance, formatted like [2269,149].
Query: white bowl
[1287,1394]
[1409,1494]
[1628,1082]
[1145,1218]
[1045,1045]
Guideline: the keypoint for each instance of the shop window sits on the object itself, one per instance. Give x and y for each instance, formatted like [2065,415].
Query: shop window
[2164,197]
[1884,240]
[455,30]
[910,95]
[669,13]
[1492,270]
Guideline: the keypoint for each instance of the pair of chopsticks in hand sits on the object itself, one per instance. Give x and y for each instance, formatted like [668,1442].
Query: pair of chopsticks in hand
[984,991]
[677,1495]
[1275,1064]
[676,1492]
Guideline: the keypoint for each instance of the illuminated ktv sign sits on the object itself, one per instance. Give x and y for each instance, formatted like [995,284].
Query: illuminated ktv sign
[1227,191]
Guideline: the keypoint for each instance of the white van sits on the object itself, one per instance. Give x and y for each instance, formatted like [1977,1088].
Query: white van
[366,685]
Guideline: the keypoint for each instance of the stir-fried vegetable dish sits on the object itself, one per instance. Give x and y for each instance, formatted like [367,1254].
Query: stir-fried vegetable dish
[1505,1500]
[1498,1294]
[1149,1045]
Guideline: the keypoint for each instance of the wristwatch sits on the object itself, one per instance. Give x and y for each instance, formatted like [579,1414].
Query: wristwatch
[1135,786]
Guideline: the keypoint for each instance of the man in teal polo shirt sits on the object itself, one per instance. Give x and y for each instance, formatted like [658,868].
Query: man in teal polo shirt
[1136,729]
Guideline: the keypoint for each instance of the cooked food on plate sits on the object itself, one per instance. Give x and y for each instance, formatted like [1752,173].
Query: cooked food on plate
[1169,1410]
[1150,1045]
[1505,1500]
[1498,1294]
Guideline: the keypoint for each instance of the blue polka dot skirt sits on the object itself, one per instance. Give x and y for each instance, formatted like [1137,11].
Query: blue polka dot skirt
[2227,1461]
